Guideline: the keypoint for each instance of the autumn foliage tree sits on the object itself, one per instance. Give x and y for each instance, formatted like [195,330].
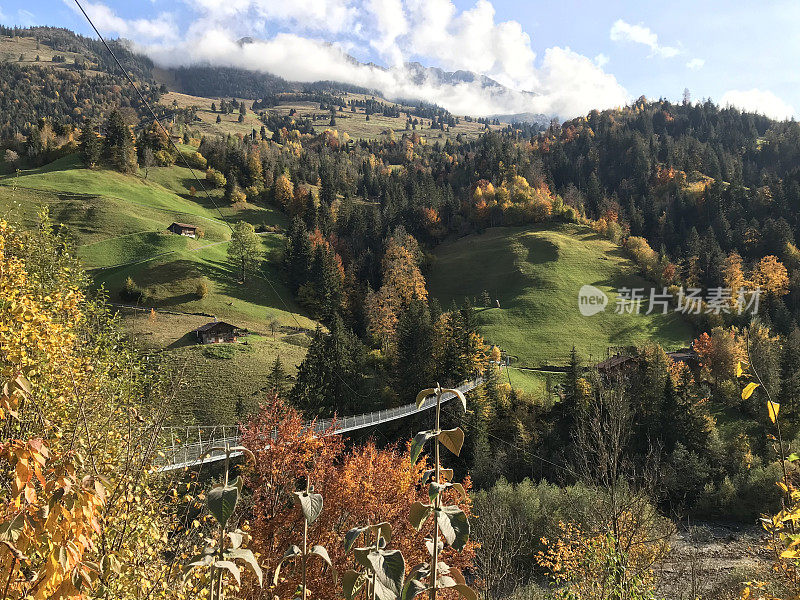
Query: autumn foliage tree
[771,276]
[76,492]
[402,282]
[364,484]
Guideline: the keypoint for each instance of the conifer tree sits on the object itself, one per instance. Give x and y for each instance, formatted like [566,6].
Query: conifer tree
[91,145]
[414,348]
[790,374]
[276,380]
[326,280]
[330,378]
[298,255]
[119,147]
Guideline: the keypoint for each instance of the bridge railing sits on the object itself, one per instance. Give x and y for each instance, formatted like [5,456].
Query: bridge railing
[192,445]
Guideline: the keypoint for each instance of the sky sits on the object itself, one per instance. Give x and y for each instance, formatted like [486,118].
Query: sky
[559,58]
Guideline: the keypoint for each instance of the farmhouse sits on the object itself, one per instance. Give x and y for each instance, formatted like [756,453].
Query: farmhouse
[217,332]
[621,361]
[183,229]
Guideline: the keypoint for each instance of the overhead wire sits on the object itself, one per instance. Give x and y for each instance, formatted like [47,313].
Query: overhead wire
[153,114]
[200,183]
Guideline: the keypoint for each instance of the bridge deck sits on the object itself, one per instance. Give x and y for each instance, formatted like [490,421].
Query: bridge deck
[182,452]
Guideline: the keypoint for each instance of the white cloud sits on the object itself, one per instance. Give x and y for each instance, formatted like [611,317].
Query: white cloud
[759,101]
[108,22]
[334,16]
[390,23]
[432,32]
[622,31]
[601,60]
[696,64]
[471,40]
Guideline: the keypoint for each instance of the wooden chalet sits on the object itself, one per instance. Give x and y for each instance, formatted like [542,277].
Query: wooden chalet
[218,332]
[183,229]
[621,362]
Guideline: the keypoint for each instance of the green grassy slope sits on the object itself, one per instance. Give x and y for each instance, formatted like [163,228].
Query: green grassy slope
[219,383]
[119,223]
[121,219]
[536,273]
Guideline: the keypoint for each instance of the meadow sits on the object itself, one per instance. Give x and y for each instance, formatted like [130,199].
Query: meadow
[535,273]
[118,225]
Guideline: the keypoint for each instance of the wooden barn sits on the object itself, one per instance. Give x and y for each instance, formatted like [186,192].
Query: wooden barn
[218,332]
[183,229]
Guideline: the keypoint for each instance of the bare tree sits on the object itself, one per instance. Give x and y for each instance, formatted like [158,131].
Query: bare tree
[148,161]
[502,535]
[628,482]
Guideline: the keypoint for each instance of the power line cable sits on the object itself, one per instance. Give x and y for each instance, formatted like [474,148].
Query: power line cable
[532,455]
[153,114]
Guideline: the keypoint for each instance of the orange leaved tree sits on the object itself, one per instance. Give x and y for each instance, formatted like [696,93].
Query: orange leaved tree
[362,485]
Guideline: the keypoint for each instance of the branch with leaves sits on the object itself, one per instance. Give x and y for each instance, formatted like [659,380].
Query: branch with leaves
[449,522]
[784,525]
[382,571]
[310,504]
[220,555]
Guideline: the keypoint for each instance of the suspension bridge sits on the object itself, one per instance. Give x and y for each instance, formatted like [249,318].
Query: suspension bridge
[195,445]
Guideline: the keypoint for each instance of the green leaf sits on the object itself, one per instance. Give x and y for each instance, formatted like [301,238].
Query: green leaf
[454,525]
[230,567]
[434,489]
[389,569]
[200,560]
[310,503]
[352,582]
[460,396]
[466,592]
[383,530]
[222,500]
[418,514]
[460,489]
[429,545]
[292,552]
[236,538]
[412,588]
[247,556]
[110,564]
[418,443]
[452,439]
[10,530]
[424,394]
[244,451]
[351,536]
[322,553]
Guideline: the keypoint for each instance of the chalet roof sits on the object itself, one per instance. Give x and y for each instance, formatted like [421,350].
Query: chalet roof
[683,355]
[184,225]
[613,362]
[215,325]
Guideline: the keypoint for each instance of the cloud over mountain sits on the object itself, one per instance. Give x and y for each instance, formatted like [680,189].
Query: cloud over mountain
[758,101]
[309,40]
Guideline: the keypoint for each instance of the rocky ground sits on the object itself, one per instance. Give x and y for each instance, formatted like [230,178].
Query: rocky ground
[712,560]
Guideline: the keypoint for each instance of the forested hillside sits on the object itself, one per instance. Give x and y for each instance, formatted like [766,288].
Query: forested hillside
[359,250]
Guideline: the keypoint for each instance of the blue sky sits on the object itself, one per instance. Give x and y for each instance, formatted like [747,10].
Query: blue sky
[572,55]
